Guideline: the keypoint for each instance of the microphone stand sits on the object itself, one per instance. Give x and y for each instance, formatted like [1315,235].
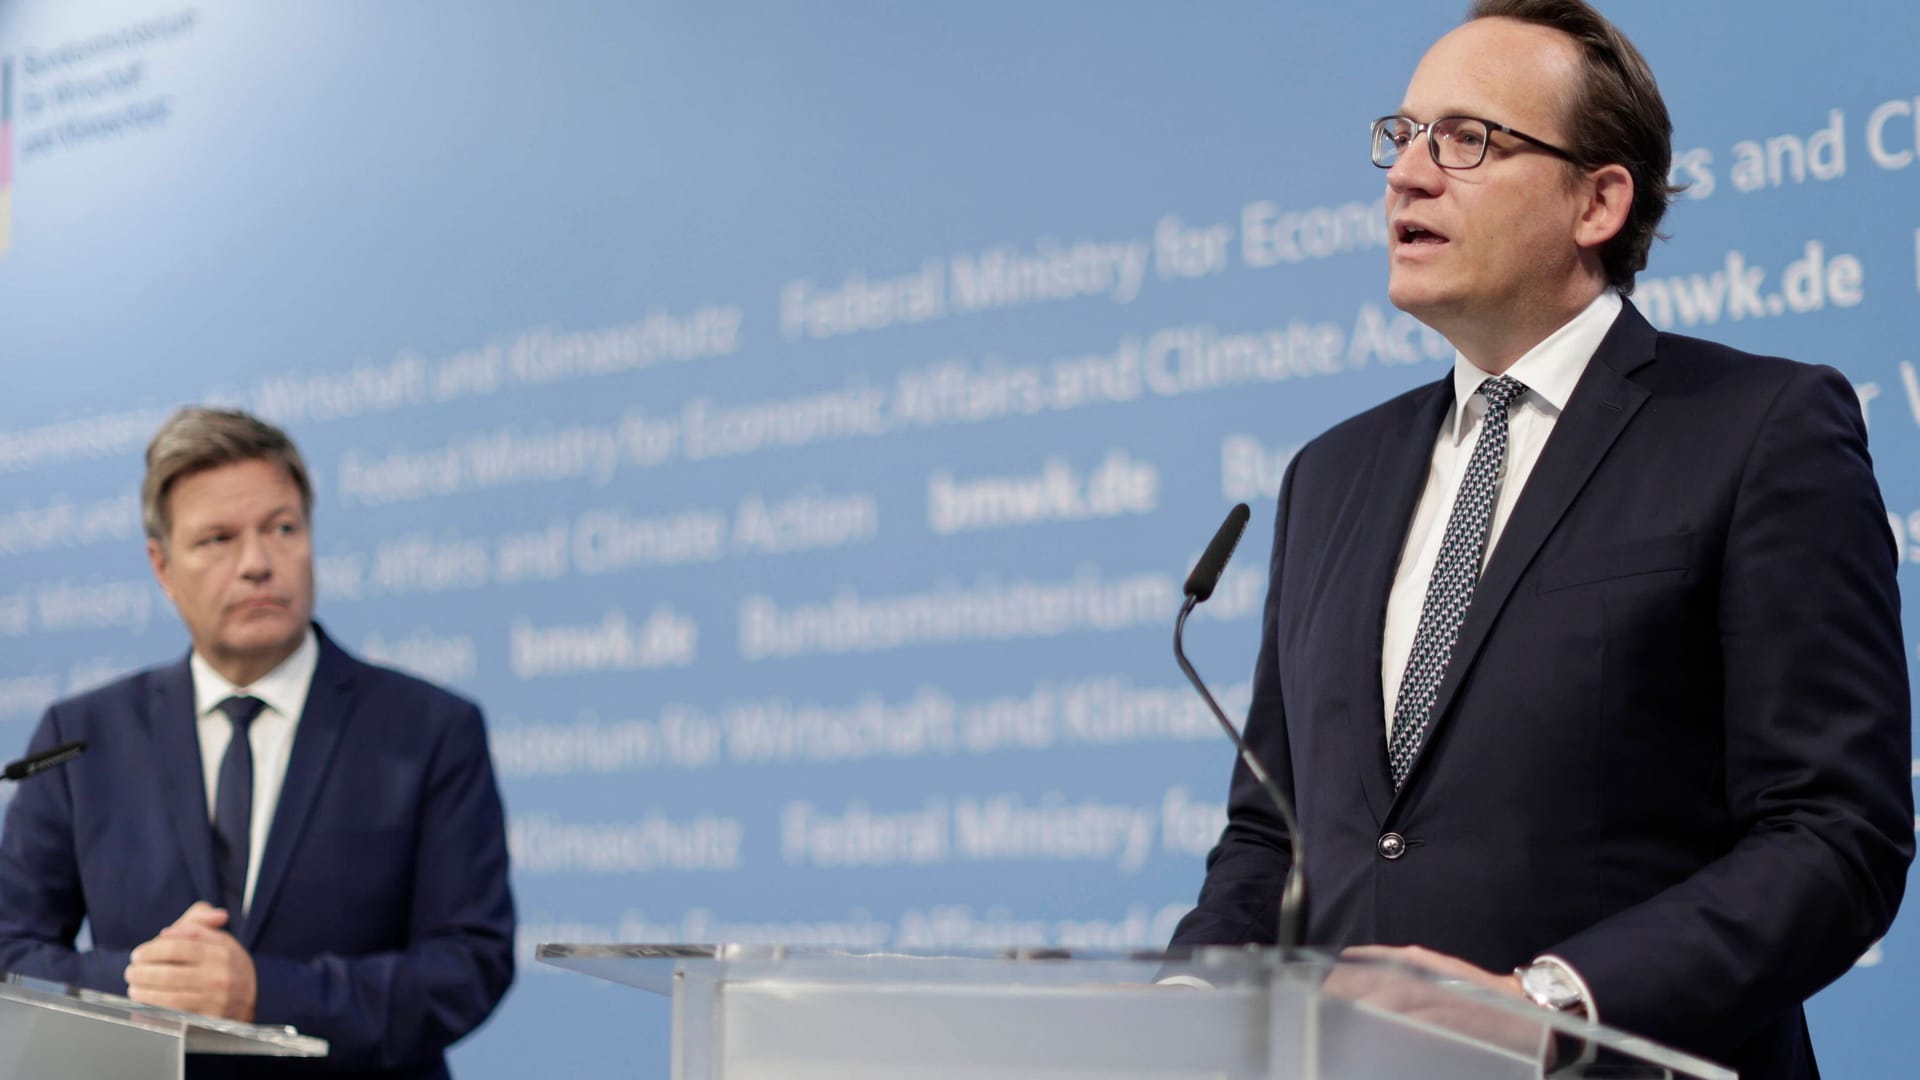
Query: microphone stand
[1293,895]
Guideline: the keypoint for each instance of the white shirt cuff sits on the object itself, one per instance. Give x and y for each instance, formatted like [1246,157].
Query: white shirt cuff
[1194,981]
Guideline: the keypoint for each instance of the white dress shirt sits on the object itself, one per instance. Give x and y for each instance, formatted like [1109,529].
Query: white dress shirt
[284,690]
[1549,371]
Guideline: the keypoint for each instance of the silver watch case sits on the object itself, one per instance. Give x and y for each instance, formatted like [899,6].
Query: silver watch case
[1550,987]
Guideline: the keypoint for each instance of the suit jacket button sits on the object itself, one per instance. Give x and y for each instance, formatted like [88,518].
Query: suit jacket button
[1391,846]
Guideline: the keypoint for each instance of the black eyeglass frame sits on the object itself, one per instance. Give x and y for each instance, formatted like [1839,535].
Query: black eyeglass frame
[1433,145]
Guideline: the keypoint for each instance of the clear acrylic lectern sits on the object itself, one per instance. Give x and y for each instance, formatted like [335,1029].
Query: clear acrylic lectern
[54,1032]
[754,1012]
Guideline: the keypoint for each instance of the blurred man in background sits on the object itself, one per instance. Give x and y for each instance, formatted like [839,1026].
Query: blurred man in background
[266,829]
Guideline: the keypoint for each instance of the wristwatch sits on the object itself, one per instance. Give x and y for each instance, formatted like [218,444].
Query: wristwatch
[1552,987]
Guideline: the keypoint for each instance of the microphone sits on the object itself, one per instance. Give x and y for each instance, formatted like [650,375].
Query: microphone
[1200,584]
[44,760]
[1213,561]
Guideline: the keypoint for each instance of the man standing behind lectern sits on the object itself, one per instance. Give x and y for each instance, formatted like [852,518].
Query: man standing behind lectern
[1584,663]
[269,829]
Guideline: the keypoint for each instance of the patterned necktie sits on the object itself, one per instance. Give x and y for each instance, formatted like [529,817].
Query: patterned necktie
[1455,573]
[233,809]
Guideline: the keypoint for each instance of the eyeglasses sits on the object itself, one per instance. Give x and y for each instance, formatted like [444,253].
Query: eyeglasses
[1456,142]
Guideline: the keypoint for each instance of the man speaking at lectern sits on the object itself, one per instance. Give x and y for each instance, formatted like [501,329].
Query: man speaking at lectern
[1582,665]
[268,829]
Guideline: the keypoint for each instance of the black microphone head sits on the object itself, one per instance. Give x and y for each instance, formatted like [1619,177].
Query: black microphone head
[42,761]
[1213,561]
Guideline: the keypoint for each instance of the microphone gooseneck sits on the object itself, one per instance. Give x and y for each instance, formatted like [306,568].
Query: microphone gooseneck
[1200,585]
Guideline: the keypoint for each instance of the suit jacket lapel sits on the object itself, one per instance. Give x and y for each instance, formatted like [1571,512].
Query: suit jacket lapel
[1602,404]
[329,705]
[1397,476]
[172,724]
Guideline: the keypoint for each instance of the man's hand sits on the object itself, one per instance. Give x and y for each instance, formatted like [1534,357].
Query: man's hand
[195,966]
[1440,964]
[1360,979]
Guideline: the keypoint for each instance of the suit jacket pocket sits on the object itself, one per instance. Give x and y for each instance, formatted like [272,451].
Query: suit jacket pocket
[1628,558]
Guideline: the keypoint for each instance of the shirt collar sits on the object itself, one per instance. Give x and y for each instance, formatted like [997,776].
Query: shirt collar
[284,689]
[1549,370]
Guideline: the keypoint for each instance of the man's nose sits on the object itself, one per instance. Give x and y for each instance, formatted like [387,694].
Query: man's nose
[256,561]
[1415,169]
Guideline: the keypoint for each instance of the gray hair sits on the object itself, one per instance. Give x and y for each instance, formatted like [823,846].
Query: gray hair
[196,439]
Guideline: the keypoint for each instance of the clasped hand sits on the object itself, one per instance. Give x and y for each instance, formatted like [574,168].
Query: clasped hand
[195,965]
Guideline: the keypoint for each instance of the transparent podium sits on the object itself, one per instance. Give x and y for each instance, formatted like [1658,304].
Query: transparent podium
[54,1032]
[752,1012]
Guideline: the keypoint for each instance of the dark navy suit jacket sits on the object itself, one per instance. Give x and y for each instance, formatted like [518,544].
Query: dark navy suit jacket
[381,920]
[1672,745]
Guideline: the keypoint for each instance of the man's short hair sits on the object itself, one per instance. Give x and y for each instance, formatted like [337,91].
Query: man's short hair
[1616,117]
[196,439]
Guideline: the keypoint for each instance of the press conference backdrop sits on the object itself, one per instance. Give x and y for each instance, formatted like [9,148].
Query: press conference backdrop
[793,421]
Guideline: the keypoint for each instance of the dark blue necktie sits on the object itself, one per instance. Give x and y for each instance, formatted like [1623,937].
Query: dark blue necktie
[233,809]
[1455,573]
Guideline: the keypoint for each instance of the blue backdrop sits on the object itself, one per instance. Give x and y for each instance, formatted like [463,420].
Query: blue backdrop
[793,422]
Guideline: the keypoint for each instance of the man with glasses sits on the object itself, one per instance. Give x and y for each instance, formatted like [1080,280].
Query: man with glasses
[1583,665]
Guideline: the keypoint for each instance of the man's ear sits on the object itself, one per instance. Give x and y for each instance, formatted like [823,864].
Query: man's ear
[157,558]
[1609,200]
